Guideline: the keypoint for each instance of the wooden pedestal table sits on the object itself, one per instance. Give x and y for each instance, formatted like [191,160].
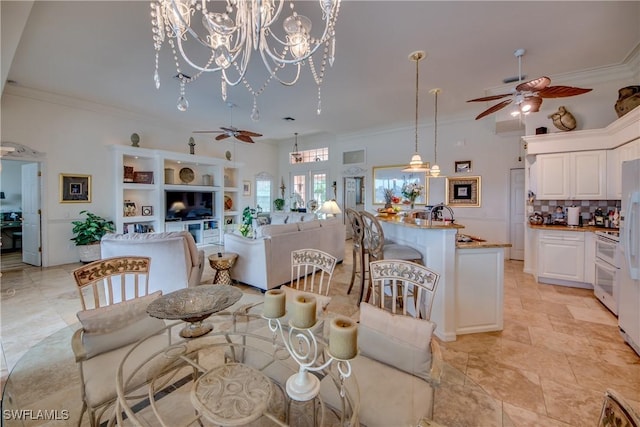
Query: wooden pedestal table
[222,263]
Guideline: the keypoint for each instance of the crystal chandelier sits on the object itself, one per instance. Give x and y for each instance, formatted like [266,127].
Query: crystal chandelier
[416,165]
[232,32]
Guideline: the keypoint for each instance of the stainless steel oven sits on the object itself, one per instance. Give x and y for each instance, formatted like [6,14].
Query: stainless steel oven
[607,268]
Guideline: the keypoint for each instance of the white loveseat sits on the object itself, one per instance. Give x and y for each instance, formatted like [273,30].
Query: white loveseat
[265,261]
[176,261]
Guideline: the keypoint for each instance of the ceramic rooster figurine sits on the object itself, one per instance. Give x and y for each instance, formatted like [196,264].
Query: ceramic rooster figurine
[563,119]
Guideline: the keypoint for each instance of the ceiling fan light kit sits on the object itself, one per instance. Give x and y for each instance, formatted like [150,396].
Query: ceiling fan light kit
[231,33]
[416,164]
[528,95]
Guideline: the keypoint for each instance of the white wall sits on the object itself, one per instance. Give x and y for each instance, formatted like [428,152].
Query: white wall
[74,136]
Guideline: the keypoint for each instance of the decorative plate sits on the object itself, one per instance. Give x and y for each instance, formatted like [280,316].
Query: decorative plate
[186,175]
[228,203]
[228,155]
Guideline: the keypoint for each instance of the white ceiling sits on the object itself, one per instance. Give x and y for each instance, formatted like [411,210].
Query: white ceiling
[103,52]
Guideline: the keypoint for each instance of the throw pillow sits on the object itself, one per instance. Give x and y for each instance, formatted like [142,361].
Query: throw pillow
[397,340]
[112,317]
[111,327]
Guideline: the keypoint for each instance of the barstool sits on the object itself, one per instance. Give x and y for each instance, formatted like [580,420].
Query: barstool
[16,237]
[378,249]
[359,252]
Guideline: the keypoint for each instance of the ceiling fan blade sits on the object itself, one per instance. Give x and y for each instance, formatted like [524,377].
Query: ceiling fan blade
[534,85]
[207,131]
[495,108]
[222,136]
[244,138]
[562,91]
[248,133]
[489,98]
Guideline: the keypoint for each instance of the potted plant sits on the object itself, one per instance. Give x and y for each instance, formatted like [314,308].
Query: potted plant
[279,204]
[88,234]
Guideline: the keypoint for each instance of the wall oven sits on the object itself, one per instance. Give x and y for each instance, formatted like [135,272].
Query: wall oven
[607,267]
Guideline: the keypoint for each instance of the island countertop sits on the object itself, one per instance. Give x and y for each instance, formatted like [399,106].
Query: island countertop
[417,223]
[481,245]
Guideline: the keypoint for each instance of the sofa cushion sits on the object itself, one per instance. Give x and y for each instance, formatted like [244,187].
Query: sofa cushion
[388,397]
[309,225]
[400,341]
[277,229]
[279,218]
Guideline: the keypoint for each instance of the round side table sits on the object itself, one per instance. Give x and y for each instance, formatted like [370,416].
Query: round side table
[222,263]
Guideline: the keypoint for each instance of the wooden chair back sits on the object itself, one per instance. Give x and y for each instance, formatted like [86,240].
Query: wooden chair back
[373,239]
[357,227]
[312,270]
[110,280]
[403,285]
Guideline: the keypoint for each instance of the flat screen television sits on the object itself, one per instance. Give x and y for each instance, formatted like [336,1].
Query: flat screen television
[188,205]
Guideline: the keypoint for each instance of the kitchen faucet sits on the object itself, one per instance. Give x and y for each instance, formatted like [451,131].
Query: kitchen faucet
[437,208]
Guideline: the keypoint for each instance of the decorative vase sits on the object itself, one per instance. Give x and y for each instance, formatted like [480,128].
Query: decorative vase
[412,205]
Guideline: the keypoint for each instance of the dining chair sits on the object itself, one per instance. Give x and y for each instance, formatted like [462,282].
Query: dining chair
[616,411]
[312,270]
[379,249]
[109,329]
[399,362]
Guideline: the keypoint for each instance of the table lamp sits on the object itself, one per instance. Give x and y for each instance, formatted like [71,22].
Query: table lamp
[330,207]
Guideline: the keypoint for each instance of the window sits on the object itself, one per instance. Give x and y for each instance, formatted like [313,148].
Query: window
[309,156]
[263,193]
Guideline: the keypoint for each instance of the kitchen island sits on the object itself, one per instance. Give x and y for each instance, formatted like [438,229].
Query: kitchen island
[469,296]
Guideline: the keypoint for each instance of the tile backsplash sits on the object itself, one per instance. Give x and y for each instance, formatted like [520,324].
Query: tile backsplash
[546,207]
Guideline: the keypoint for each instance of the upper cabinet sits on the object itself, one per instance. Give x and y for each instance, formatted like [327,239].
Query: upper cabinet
[565,176]
[628,151]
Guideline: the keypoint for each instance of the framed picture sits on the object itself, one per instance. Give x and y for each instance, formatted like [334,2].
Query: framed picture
[75,188]
[463,192]
[143,177]
[463,166]
[147,210]
[246,188]
[393,178]
[129,208]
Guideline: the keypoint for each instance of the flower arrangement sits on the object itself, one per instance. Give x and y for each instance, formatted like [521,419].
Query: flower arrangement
[411,191]
[388,197]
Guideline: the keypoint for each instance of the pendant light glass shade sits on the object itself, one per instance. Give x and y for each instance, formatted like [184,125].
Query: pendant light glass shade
[416,164]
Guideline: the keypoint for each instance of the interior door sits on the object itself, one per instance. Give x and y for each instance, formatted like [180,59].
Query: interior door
[517,215]
[31,214]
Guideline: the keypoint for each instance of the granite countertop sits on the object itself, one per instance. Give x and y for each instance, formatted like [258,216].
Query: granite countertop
[481,245]
[590,228]
[417,223]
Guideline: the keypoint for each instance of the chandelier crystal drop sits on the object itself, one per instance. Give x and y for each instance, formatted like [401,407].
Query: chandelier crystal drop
[230,31]
[416,164]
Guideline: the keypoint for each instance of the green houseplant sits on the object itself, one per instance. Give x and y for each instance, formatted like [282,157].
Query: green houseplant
[87,235]
[279,204]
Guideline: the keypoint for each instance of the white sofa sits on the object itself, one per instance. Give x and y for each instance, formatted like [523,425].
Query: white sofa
[176,261]
[265,261]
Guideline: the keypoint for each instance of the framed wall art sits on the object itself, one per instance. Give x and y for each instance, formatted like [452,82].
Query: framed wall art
[463,166]
[393,178]
[75,188]
[246,188]
[463,192]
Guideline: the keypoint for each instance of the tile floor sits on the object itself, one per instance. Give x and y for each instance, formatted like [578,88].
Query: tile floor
[559,350]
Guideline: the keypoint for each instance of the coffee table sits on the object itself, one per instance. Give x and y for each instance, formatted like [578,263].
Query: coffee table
[222,262]
[194,305]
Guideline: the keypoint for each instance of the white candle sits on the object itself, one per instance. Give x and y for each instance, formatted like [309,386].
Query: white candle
[304,311]
[274,304]
[343,338]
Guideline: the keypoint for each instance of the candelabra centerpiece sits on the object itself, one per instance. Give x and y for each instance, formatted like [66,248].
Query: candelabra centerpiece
[303,346]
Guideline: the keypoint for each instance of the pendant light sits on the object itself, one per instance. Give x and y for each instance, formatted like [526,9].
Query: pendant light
[296,156]
[416,164]
[435,169]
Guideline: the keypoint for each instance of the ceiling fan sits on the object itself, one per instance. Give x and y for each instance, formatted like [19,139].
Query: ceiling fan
[528,95]
[231,131]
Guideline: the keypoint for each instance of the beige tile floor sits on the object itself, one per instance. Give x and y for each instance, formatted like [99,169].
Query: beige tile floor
[558,352]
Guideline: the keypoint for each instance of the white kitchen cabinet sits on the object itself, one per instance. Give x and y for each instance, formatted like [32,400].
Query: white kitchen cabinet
[628,151]
[561,258]
[577,175]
